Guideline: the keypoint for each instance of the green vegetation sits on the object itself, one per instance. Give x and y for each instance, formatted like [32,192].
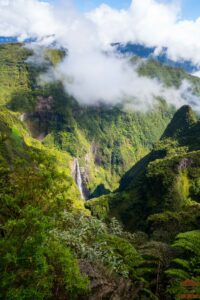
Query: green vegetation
[139,242]
[160,196]
[186,265]
[49,241]
[34,188]
[168,75]
[14,75]
[87,133]
[165,180]
[46,233]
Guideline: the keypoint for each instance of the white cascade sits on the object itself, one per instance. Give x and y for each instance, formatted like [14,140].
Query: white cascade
[78,179]
[22,117]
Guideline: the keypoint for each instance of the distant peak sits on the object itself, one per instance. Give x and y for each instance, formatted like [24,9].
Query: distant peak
[182,120]
[187,114]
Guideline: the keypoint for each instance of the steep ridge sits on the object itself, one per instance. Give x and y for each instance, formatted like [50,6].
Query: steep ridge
[163,186]
[182,122]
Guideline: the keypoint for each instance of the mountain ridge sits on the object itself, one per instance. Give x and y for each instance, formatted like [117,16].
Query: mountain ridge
[139,241]
[154,175]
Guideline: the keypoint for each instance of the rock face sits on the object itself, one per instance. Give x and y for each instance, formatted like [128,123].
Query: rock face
[185,163]
[39,120]
[44,104]
[104,286]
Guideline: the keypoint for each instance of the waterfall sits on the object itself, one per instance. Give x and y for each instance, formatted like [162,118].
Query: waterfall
[22,117]
[78,178]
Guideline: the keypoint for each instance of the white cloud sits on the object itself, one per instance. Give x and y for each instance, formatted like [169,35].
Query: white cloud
[25,18]
[152,23]
[197,74]
[92,72]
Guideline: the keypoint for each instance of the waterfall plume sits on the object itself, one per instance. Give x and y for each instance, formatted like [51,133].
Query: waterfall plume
[78,178]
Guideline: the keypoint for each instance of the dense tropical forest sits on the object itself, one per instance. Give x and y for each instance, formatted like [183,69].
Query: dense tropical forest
[96,202]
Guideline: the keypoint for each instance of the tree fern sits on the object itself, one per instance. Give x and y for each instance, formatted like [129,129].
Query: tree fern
[187,264]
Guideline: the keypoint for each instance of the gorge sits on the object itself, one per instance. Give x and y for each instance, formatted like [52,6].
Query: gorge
[137,235]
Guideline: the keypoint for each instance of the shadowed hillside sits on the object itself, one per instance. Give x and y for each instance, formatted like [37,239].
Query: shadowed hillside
[167,179]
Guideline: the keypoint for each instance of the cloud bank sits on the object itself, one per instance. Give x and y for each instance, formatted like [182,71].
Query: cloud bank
[92,72]
[150,22]
[153,24]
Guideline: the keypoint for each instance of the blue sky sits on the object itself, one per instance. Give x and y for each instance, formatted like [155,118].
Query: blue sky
[88,4]
[190,8]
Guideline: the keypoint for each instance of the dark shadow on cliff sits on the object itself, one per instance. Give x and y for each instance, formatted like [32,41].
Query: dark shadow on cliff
[100,191]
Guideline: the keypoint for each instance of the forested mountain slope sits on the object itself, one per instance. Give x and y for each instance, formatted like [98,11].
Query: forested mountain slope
[163,187]
[106,140]
[50,246]
[53,244]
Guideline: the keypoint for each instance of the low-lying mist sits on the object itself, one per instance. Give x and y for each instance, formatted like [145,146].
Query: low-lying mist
[92,72]
[98,77]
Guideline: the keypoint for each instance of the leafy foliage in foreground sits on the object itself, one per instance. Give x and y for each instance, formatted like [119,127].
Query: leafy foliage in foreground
[34,188]
[93,240]
[186,265]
